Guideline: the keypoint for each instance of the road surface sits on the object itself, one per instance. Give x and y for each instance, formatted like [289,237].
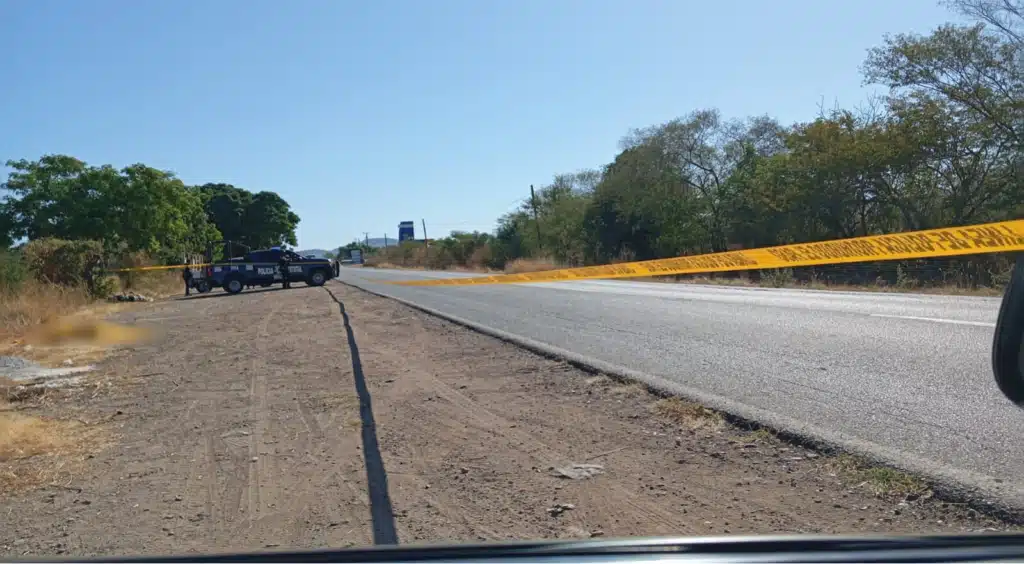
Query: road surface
[906,377]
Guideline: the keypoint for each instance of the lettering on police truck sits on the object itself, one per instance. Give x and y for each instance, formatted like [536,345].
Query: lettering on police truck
[266,271]
[294,269]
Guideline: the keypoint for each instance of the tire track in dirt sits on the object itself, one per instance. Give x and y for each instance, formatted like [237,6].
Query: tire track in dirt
[201,486]
[258,419]
[310,443]
[257,405]
[452,510]
[214,516]
[702,493]
[616,503]
[276,507]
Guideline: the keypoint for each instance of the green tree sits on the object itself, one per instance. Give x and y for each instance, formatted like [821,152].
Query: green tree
[137,208]
[270,221]
[969,66]
[257,220]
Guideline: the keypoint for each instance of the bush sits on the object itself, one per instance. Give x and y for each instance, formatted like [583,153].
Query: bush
[62,262]
[105,286]
[518,266]
[482,257]
[777,277]
[136,259]
[12,271]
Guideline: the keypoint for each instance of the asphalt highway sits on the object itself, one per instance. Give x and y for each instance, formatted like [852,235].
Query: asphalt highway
[906,377]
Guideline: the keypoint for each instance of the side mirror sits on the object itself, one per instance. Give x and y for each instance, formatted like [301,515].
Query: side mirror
[1008,342]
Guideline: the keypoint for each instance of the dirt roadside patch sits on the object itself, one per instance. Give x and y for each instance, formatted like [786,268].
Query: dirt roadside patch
[272,420]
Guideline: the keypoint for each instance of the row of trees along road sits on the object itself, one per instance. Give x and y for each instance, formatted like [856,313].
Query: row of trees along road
[942,148]
[131,212]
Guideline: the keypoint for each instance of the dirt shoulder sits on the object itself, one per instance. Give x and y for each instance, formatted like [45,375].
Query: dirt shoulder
[327,417]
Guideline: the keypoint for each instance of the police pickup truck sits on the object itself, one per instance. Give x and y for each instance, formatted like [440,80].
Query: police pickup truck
[260,268]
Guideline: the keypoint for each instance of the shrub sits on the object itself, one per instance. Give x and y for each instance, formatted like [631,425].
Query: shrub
[105,286]
[62,262]
[12,271]
[482,257]
[137,259]
[777,277]
[530,265]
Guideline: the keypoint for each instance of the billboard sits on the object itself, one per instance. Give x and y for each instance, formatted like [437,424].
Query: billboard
[356,255]
[406,231]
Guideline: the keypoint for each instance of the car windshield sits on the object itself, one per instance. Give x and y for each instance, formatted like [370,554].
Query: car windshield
[282,277]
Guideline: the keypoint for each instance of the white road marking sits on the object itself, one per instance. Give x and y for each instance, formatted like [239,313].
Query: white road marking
[937,320]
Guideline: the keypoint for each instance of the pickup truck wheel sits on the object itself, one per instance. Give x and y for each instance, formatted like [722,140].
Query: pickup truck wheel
[233,285]
[317,278]
[203,286]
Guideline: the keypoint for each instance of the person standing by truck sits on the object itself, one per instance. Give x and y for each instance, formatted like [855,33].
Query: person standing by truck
[186,275]
[283,266]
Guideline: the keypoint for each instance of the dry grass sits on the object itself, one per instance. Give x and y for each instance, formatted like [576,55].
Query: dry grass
[761,435]
[36,451]
[628,389]
[14,392]
[155,284]
[52,324]
[387,265]
[66,333]
[600,381]
[392,266]
[530,265]
[880,480]
[36,303]
[22,436]
[948,290]
[690,414]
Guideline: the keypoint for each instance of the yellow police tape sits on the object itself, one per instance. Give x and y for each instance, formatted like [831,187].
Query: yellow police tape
[998,237]
[145,268]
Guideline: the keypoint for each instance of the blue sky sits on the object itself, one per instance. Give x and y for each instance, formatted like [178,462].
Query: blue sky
[365,113]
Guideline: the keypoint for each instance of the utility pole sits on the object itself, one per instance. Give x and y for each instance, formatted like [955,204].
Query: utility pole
[366,238]
[536,219]
[426,244]
[385,240]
